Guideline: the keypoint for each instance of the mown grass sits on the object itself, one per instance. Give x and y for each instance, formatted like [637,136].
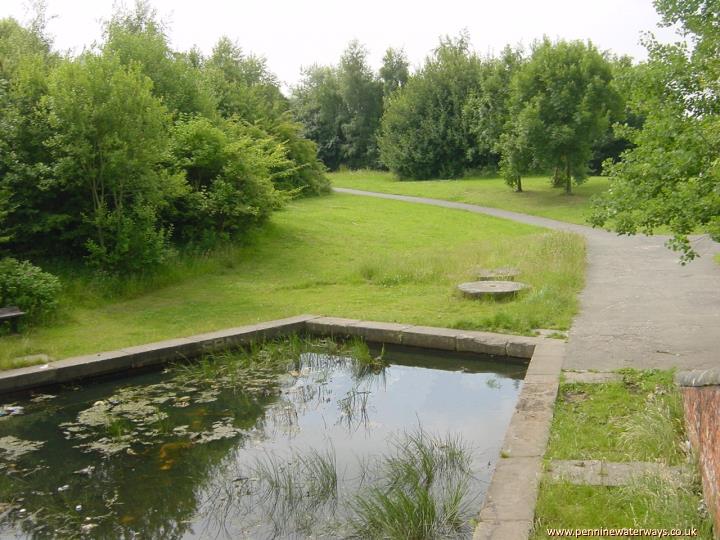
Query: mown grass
[538,198]
[637,419]
[339,255]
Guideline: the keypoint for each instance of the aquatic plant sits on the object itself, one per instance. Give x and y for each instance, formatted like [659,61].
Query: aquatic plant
[421,491]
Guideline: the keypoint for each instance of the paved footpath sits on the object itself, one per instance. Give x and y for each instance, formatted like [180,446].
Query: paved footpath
[640,308]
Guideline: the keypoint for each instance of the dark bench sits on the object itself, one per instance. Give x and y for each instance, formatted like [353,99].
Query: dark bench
[12,314]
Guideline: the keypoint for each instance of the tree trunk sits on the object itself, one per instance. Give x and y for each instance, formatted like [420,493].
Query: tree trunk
[568,178]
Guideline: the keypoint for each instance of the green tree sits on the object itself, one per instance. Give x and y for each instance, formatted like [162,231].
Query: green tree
[340,109]
[395,70]
[137,36]
[362,95]
[318,105]
[25,203]
[561,103]
[248,92]
[229,172]
[487,108]
[243,84]
[424,133]
[110,138]
[671,177]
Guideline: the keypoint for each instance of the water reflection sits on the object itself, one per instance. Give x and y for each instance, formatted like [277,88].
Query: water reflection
[163,455]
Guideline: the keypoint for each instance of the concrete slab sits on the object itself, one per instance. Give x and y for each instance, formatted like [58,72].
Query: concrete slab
[330,326]
[527,434]
[379,332]
[622,474]
[14,380]
[607,473]
[482,343]
[548,358]
[537,399]
[163,351]
[513,490]
[283,327]
[591,377]
[93,365]
[576,471]
[142,355]
[430,337]
[502,530]
[521,347]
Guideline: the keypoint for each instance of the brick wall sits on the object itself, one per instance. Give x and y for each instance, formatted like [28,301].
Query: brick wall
[702,417]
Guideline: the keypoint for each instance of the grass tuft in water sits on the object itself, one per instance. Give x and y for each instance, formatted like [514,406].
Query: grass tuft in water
[292,491]
[421,491]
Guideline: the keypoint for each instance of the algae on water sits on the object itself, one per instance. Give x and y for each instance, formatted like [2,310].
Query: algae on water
[12,448]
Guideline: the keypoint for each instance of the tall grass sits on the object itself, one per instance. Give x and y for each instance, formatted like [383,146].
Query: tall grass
[665,501]
[657,430]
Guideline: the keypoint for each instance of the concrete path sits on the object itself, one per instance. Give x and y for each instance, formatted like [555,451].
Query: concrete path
[640,307]
[595,472]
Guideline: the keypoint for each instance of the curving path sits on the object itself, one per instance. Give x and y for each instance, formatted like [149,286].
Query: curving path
[640,308]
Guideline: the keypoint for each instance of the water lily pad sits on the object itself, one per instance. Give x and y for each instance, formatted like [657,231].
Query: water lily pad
[107,446]
[12,448]
[220,430]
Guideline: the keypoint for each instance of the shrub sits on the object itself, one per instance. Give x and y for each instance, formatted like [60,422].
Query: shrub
[25,285]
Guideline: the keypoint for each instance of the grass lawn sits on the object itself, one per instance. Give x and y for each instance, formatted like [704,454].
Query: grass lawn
[637,419]
[538,198]
[338,255]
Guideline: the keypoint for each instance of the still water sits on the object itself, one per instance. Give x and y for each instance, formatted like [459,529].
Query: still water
[170,455]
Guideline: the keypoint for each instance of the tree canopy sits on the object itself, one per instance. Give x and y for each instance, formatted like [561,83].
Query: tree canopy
[561,102]
[423,133]
[671,175]
[131,150]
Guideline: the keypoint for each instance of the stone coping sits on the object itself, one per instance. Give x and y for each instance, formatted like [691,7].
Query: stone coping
[129,358]
[508,512]
[698,377]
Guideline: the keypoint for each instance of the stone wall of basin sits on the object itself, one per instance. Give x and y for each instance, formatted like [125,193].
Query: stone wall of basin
[141,356]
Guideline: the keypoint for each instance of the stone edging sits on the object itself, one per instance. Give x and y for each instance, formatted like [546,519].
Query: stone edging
[509,509]
[698,377]
[129,358]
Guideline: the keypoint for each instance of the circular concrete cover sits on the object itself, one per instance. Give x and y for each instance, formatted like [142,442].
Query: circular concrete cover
[495,289]
[507,273]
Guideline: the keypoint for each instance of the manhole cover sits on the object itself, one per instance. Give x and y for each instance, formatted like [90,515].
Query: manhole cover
[495,289]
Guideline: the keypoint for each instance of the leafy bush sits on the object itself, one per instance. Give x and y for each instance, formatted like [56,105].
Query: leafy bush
[25,285]
[132,242]
[129,150]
